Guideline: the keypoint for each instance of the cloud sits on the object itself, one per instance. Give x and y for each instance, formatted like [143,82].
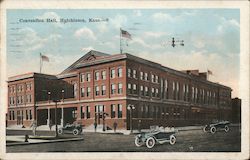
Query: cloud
[102,27]
[119,21]
[137,13]
[162,17]
[31,41]
[150,34]
[227,25]
[87,49]
[85,33]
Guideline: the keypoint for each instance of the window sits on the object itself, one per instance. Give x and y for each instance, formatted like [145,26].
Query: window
[184,92]
[129,72]
[177,90]
[82,112]
[26,113]
[146,76]
[75,89]
[156,79]
[74,113]
[119,72]
[129,88]
[28,98]
[146,91]
[82,92]
[13,115]
[112,73]
[157,92]
[97,91]
[152,78]
[88,91]
[97,76]
[141,75]
[103,75]
[88,112]
[30,114]
[134,74]
[119,88]
[28,86]
[142,92]
[153,92]
[10,118]
[82,78]
[134,88]
[103,90]
[112,88]
[166,89]
[112,111]
[119,111]
[192,93]
[88,77]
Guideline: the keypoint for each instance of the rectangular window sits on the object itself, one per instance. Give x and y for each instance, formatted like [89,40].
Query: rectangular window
[74,113]
[26,113]
[146,91]
[88,112]
[88,77]
[112,111]
[152,78]
[75,89]
[103,75]
[88,91]
[112,73]
[112,88]
[13,115]
[10,118]
[129,72]
[119,72]
[156,79]
[146,76]
[82,92]
[30,114]
[82,78]
[97,76]
[97,91]
[119,111]
[135,88]
[141,75]
[141,89]
[134,74]
[82,112]
[157,92]
[103,90]
[119,88]
[152,92]
[129,88]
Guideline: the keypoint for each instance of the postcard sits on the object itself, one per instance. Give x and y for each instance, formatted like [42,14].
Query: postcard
[125,80]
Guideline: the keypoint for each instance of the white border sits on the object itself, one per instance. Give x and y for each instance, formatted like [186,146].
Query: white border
[244,75]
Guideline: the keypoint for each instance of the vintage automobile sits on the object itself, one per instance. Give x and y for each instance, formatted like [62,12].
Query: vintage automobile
[213,127]
[153,137]
[75,129]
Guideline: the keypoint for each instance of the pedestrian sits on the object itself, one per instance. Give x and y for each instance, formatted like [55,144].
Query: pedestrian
[115,126]
[50,125]
[95,125]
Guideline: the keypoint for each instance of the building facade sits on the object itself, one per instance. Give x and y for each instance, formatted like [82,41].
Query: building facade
[120,88]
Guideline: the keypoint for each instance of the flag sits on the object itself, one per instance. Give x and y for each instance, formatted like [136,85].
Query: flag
[209,72]
[125,34]
[44,58]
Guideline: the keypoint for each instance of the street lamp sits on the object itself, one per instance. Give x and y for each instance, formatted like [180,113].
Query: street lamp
[56,100]
[63,95]
[49,93]
[130,108]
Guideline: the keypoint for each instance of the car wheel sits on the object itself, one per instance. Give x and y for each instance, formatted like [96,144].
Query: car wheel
[213,130]
[205,129]
[60,131]
[75,132]
[226,128]
[172,140]
[150,142]
[138,142]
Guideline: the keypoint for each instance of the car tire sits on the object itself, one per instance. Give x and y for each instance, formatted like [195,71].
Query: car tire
[75,132]
[204,129]
[172,139]
[150,142]
[138,142]
[60,131]
[213,130]
[226,128]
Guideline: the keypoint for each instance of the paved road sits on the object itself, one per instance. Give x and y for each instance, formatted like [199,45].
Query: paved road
[187,141]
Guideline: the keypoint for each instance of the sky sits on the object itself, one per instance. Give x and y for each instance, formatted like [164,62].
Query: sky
[211,39]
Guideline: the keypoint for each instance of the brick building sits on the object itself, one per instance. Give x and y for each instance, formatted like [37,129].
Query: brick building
[100,88]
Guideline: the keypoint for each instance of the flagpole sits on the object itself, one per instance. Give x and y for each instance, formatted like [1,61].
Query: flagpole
[120,41]
[40,62]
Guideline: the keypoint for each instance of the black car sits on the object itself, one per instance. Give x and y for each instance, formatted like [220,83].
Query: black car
[213,127]
[153,137]
[75,129]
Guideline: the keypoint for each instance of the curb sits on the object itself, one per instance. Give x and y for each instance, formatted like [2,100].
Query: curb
[52,141]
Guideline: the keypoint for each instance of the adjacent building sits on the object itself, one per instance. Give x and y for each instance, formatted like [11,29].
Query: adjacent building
[120,88]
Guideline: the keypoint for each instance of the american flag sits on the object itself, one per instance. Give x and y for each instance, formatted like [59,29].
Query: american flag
[209,72]
[125,34]
[44,58]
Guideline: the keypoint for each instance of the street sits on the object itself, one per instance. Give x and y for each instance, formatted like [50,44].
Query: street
[187,141]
